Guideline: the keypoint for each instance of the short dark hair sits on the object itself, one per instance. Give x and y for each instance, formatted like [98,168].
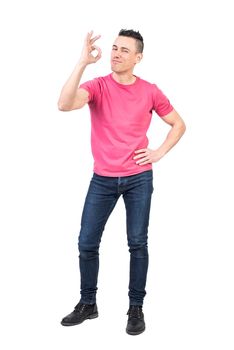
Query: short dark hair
[135,35]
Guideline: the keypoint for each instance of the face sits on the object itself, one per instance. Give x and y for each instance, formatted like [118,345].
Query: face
[124,55]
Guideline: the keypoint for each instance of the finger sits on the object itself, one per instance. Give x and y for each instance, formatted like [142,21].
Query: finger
[94,47]
[99,55]
[142,160]
[89,35]
[148,162]
[95,38]
[140,155]
[145,162]
[140,150]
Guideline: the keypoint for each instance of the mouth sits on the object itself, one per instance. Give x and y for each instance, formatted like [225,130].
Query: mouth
[115,62]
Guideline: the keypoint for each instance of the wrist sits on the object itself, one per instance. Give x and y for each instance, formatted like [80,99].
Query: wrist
[160,152]
[82,64]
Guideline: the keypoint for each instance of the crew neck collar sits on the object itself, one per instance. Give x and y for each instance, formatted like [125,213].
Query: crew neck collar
[124,85]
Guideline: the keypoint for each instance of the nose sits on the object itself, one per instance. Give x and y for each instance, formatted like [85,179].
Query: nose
[117,54]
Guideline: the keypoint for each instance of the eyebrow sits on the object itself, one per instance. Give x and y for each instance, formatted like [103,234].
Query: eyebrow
[122,47]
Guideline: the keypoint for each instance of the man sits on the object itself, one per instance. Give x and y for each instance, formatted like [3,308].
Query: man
[121,106]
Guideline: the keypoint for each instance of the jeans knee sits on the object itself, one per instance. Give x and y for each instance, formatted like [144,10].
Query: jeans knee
[88,253]
[139,251]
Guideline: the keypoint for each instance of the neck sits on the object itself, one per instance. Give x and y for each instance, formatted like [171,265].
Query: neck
[124,78]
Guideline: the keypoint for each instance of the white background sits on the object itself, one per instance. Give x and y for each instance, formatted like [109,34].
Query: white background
[46,166]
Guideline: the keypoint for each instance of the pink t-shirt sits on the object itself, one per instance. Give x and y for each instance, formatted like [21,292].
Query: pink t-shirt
[120,117]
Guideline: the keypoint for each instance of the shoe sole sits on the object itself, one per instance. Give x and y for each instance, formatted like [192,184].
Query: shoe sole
[135,333]
[90,317]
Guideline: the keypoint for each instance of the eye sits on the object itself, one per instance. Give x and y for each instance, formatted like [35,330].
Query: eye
[114,48]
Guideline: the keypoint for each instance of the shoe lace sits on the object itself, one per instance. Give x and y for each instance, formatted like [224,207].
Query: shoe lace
[80,308]
[135,311]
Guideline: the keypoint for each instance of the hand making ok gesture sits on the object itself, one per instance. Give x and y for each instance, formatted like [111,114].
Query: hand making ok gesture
[86,55]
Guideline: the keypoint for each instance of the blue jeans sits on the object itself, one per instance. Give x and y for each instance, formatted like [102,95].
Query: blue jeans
[101,198]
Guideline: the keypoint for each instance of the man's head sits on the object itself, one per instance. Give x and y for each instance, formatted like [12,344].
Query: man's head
[126,51]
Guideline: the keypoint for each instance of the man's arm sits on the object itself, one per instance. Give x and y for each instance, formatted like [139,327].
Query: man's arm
[71,96]
[178,128]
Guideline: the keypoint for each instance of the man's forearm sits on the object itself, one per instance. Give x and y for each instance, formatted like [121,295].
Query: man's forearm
[146,155]
[69,89]
[172,138]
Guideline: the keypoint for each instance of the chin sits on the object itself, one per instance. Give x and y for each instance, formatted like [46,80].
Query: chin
[115,70]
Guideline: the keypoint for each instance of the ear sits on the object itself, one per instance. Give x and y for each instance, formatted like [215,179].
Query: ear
[139,57]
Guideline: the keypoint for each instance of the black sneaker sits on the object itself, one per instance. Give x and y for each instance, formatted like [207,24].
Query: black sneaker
[136,323]
[81,313]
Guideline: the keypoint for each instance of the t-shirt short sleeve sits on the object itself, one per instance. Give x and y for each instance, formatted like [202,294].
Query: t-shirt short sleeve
[93,88]
[161,103]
